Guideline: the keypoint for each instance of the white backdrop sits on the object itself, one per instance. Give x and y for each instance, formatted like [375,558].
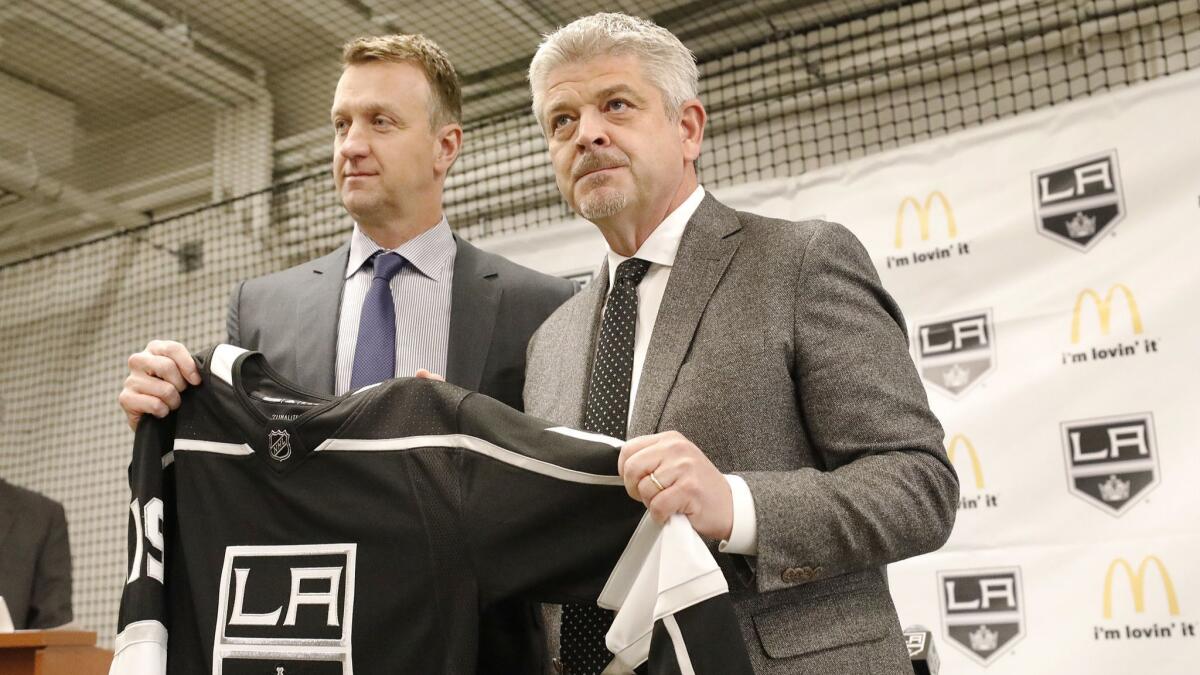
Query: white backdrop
[1048,266]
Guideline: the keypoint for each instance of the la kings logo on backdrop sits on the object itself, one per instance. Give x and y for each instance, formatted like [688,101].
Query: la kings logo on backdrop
[1079,202]
[953,354]
[282,604]
[1112,462]
[982,610]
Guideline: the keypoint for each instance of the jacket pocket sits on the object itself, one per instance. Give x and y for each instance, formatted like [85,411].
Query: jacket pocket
[823,623]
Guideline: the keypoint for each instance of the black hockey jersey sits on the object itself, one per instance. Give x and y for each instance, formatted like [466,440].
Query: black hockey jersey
[278,532]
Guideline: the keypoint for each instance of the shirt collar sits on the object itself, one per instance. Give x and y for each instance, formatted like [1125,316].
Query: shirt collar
[661,247]
[427,252]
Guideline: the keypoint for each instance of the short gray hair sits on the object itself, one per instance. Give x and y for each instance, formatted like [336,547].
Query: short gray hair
[666,63]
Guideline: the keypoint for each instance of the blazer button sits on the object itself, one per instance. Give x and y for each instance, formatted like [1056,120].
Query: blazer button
[795,575]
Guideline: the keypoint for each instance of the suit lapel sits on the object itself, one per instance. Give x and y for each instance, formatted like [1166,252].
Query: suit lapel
[474,302]
[707,246]
[317,312]
[579,330]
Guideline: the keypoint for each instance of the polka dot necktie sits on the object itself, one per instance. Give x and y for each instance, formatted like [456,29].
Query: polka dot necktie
[607,412]
[375,351]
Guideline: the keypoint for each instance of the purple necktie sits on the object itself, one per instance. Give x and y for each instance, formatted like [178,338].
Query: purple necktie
[375,352]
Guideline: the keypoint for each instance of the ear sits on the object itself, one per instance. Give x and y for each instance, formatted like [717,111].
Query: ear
[447,145]
[691,128]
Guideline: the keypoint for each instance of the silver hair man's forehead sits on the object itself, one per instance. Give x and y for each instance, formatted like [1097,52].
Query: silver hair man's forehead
[666,62]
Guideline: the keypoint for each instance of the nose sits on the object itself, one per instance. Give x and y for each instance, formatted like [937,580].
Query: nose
[354,144]
[592,130]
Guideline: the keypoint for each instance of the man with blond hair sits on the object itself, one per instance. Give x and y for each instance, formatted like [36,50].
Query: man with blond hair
[757,367]
[403,296]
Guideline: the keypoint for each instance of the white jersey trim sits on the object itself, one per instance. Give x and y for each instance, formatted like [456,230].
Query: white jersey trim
[140,649]
[588,436]
[473,444]
[211,446]
[664,569]
[682,658]
[221,363]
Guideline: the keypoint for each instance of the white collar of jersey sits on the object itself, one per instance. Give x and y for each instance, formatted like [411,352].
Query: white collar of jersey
[662,245]
[221,363]
[663,570]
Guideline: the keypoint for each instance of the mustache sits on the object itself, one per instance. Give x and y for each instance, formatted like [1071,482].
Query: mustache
[595,161]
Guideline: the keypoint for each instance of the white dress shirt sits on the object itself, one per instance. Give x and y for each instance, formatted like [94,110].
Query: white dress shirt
[421,293]
[660,249]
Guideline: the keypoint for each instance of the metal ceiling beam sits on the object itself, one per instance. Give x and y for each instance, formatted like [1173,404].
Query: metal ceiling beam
[23,181]
[92,43]
[339,20]
[225,51]
[154,46]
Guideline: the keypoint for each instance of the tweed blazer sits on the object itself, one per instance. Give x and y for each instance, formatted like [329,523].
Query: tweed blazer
[495,306]
[778,353]
[35,559]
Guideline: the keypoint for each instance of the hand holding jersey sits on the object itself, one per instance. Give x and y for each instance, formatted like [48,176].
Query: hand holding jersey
[157,375]
[461,502]
[670,475]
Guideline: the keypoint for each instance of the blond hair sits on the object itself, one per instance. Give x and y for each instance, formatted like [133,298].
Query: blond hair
[445,106]
[665,61]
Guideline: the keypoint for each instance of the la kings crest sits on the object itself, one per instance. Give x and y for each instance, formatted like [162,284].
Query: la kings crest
[1077,203]
[954,353]
[1112,462]
[286,607]
[982,611]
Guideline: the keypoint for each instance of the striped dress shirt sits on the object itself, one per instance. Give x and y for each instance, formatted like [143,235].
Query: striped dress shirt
[421,292]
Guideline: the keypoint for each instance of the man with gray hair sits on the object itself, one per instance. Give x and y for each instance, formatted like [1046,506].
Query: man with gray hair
[757,367]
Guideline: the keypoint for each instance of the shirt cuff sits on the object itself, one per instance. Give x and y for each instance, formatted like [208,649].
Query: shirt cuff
[743,540]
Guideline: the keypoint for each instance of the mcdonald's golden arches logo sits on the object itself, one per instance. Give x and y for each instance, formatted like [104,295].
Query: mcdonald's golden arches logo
[923,211]
[1137,584]
[976,469]
[1104,310]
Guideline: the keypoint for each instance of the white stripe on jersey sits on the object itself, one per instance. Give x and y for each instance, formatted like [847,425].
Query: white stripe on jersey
[588,436]
[213,446]
[682,658]
[473,444]
[141,648]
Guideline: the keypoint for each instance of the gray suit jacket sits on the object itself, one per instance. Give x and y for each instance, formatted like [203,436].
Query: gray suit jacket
[777,351]
[35,558]
[495,306]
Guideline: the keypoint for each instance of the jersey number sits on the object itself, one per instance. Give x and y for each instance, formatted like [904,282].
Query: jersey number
[153,536]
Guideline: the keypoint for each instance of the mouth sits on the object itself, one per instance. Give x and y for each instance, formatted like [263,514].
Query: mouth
[599,170]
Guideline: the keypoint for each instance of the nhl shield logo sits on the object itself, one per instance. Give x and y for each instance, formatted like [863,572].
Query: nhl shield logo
[982,611]
[953,354]
[1112,462]
[280,444]
[1079,202]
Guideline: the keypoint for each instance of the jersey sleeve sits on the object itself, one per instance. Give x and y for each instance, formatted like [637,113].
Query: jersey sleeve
[141,643]
[550,520]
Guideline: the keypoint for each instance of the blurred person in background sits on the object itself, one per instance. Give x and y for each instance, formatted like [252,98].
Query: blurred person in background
[35,559]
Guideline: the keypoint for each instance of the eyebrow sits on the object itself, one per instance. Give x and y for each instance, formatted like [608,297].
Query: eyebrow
[625,90]
[370,108]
